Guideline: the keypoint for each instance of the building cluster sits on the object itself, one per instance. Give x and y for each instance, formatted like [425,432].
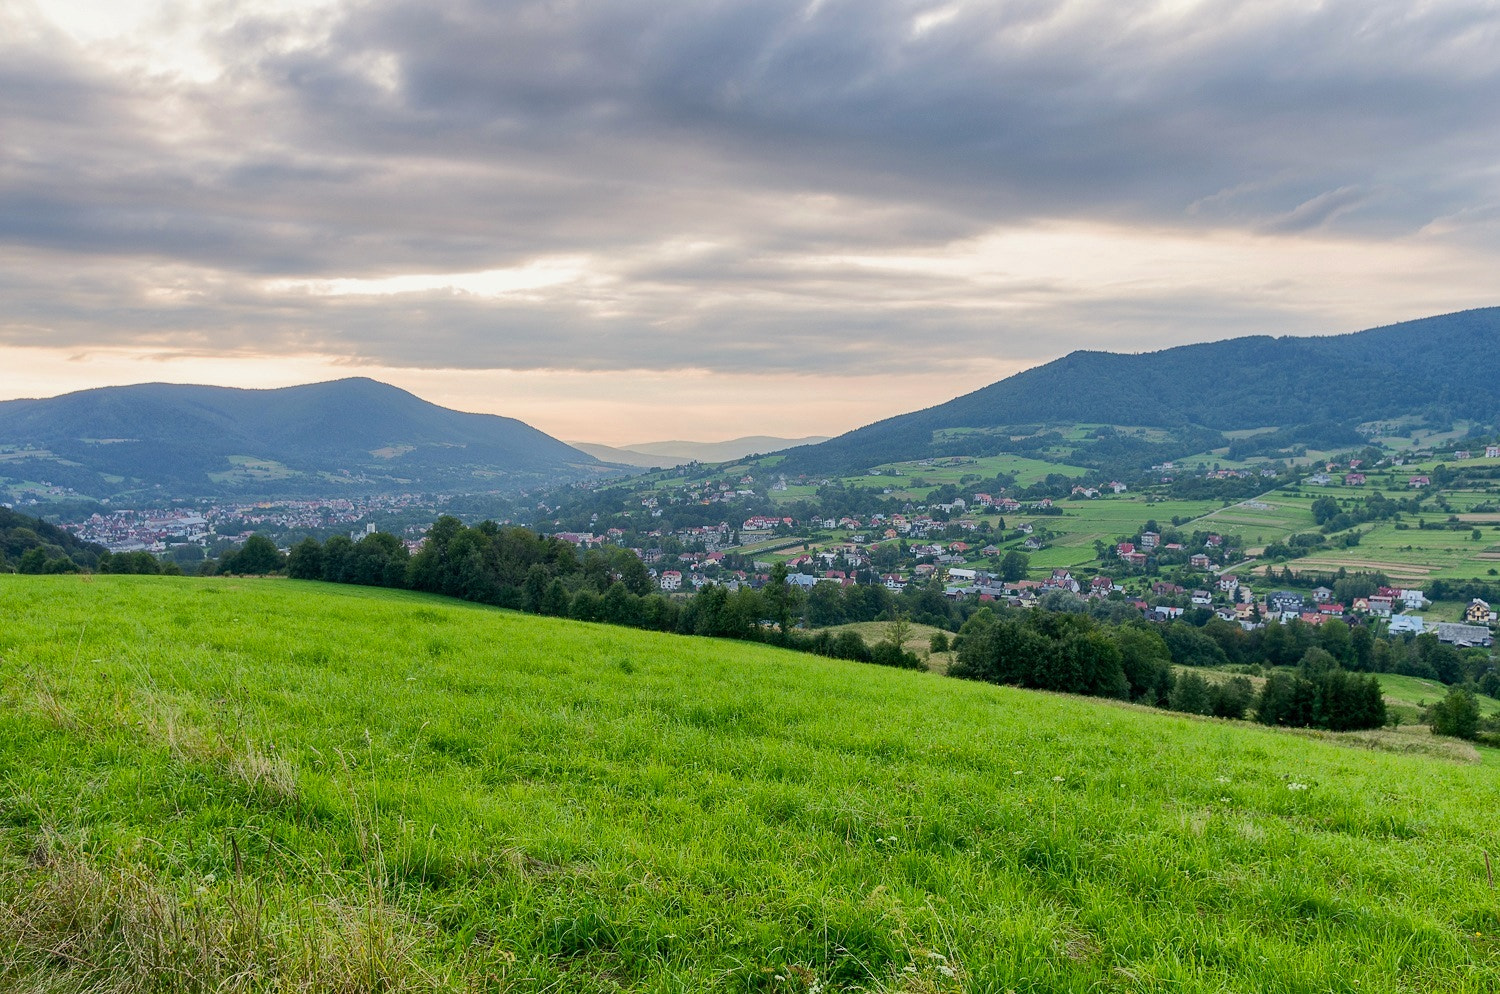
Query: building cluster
[158,529]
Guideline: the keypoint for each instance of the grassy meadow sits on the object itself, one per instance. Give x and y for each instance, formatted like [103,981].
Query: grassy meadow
[266,785]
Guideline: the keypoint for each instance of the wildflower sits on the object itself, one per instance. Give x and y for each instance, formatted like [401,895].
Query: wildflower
[946,971]
[938,956]
[1018,772]
[1057,779]
[1223,779]
[1294,785]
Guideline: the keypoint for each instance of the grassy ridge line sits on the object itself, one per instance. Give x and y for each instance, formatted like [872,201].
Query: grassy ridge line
[433,795]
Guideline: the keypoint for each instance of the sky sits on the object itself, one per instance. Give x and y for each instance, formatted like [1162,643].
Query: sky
[627,221]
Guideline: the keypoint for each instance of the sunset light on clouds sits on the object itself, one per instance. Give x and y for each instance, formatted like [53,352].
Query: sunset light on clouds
[620,221]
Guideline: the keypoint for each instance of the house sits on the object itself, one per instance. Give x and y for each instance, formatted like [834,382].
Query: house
[1413,599]
[1117,486]
[1202,598]
[1214,541]
[1125,548]
[1492,451]
[1331,609]
[1407,624]
[1354,479]
[1464,635]
[1134,558]
[1164,589]
[1478,613]
[1150,540]
[1463,454]
[1101,585]
[671,580]
[1229,583]
[1033,543]
[1199,561]
[1321,594]
[1284,602]
[1379,606]
[1320,479]
[1418,481]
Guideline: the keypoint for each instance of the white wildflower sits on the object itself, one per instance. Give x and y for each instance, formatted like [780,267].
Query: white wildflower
[1294,785]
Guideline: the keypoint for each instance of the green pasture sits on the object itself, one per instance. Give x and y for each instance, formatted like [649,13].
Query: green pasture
[1278,516]
[229,785]
[1415,553]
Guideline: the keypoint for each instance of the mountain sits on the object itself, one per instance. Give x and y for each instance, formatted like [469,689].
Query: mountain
[1442,366]
[346,436]
[674,453]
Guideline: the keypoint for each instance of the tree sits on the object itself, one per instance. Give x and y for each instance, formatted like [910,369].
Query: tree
[257,557]
[1147,664]
[1456,714]
[1014,565]
[897,630]
[306,560]
[1191,695]
[33,561]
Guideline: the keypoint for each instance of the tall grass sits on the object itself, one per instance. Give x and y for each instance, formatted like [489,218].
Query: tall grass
[272,786]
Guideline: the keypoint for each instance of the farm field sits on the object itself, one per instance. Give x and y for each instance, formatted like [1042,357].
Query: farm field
[1262,520]
[1414,554]
[902,477]
[231,785]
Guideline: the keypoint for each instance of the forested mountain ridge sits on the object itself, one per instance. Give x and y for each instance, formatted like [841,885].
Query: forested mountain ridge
[354,434]
[1444,363]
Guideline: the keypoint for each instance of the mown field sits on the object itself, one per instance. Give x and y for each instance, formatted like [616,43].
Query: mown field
[232,785]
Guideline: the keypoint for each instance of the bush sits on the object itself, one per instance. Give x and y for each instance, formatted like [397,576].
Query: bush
[1456,714]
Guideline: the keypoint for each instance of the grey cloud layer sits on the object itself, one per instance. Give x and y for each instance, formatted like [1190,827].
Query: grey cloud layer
[397,137]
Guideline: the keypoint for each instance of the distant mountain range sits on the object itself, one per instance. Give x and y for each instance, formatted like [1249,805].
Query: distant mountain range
[352,436]
[1445,366]
[675,453]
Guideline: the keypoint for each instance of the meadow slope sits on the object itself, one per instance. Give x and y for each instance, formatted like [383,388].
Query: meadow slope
[214,784]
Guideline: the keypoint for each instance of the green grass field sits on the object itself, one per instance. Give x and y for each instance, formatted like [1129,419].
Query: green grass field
[1262,520]
[227,785]
[1105,519]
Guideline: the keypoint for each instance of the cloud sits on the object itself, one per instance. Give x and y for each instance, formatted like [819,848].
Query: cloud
[740,186]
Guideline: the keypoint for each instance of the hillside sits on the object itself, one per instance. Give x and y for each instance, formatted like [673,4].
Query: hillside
[345,436]
[673,453]
[20,534]
[254,794]
[1436,364]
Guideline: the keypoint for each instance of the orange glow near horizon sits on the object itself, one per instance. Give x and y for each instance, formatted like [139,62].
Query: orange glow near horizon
[612,408]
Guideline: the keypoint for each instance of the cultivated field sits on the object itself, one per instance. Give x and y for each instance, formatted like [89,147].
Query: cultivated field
[274,786]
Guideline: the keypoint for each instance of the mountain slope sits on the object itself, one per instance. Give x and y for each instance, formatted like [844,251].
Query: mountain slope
[202,439]
[20,534]
[1444,362]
